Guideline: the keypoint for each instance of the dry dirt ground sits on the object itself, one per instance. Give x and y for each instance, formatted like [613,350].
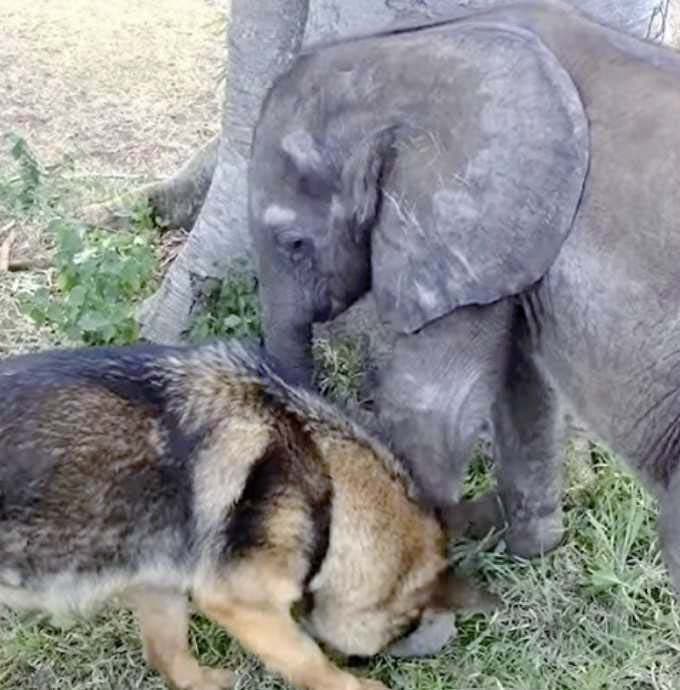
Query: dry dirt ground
[123,89]
[120,85]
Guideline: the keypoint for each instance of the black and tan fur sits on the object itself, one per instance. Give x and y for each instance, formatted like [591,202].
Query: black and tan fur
[153,473]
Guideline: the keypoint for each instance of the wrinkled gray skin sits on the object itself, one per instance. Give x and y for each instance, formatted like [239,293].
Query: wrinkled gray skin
[507,185]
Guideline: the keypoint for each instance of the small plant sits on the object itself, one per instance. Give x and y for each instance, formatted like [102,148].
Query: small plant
[22,189]
[100,277]
[142,219]
[29,187]
[340,369]
[230,310]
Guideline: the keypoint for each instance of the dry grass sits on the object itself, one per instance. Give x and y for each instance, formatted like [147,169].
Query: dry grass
[17,332]
[119,85]
[121,90]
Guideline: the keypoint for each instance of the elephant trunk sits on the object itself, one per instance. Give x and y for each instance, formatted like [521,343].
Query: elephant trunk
[287,329]
[290,348]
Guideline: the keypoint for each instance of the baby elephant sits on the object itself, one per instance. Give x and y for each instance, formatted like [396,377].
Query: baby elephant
[152,473]
[506,185]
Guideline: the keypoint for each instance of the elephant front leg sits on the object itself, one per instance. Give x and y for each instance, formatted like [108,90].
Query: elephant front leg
[435,399]
[530,435]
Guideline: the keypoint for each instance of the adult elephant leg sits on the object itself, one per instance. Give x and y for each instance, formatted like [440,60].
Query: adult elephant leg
[530,436]
[436,394]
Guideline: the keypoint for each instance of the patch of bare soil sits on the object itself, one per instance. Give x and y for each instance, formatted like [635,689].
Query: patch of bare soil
[124,89]
[120,85]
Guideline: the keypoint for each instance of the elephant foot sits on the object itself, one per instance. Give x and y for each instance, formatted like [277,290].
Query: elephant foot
[536,536]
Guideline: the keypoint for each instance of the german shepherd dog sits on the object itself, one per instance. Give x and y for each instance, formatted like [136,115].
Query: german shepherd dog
[155,474]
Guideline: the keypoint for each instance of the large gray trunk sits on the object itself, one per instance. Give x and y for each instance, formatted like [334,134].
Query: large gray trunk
[263,37]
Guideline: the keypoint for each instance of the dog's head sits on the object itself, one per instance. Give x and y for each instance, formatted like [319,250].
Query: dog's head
[432,624]
[399,600]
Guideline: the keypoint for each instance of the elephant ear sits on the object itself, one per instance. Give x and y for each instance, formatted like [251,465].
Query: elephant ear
[482,197]
[362,175]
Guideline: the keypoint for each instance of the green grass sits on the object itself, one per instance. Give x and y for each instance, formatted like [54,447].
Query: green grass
[597,614]
[20,189]
[35,194]
[89,296]
[339,369]
[100,275]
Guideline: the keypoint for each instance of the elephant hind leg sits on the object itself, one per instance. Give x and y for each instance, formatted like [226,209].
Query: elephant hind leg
[530,436]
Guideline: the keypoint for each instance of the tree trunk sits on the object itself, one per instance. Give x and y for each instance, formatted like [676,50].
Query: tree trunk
[262,38]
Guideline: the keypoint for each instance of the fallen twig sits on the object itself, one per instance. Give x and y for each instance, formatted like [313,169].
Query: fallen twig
[6,250]
[19,265]
[7,227]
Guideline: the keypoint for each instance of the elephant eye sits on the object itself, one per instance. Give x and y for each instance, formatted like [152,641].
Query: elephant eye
[296,247]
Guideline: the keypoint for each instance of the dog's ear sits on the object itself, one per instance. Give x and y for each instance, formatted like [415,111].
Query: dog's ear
[454,593]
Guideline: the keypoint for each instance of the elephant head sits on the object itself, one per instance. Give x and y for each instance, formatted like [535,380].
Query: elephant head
[439,166]
[312,236]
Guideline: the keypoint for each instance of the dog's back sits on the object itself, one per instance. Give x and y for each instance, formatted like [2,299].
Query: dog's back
[90,445]
[122,467]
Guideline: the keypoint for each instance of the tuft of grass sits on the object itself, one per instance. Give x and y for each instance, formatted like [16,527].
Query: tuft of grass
[339,369]
[480,477]
[231,308]
[30,189]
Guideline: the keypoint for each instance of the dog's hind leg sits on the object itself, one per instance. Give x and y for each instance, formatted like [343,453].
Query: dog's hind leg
[163,617]
[268,630]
